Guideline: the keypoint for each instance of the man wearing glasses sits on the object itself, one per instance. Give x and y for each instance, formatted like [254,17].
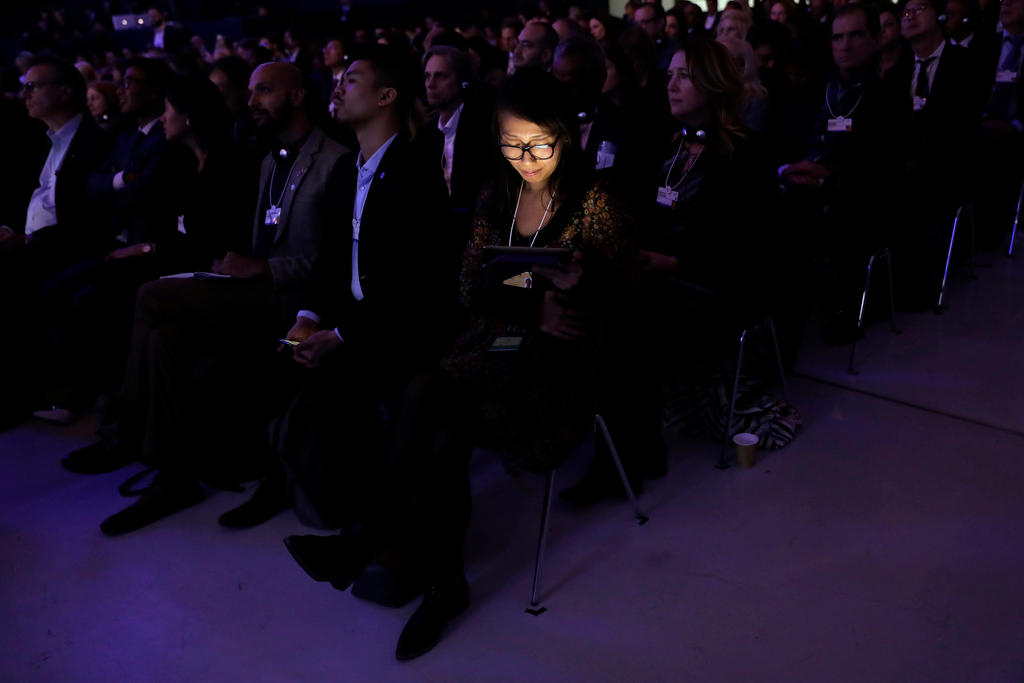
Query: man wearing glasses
[63,224]
[942,87]
[535,47]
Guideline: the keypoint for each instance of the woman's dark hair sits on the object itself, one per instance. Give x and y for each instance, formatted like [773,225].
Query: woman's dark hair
[536,96]
[209,117]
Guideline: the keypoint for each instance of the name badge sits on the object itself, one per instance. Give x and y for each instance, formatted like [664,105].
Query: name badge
[667,196]
[524,280]
[919,103]
[273,216]
[355,229]
[507,344]
[181,224]
[1006,76]
[840,124]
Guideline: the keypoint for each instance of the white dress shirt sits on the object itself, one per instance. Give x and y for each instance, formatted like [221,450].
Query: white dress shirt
[932,68]
[364,179]
[448,156]
[42,208]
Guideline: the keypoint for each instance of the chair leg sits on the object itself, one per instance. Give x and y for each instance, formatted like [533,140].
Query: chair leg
[940,306]
[641,518]
[850,369]
[1016,220]
[778,355]
[892,293]
[722,464]
[542,540]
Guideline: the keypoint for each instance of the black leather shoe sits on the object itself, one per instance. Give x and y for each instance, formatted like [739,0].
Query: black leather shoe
[387,586]
[157,502]
[441,605]
[268,500]
[337,558]
[103,456]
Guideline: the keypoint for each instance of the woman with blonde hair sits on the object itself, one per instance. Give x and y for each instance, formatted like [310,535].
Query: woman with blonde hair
[755,96]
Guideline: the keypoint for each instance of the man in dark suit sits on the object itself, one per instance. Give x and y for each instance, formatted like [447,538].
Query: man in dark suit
[854,163]
[64,222]
[463,125]
[380,314]
[1003,126]
[166,36]
[946,103]
[179,321]
[143,175]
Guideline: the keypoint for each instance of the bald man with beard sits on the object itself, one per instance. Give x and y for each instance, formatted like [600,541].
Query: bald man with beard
[180,324]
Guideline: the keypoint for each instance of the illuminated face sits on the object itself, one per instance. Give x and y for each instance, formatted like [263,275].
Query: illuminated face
[853,47]
[356,97]
[334,54]
[442,87]
[919,19]
[530,50]
[96,102]
[42,94]
[597,30]
[778,13]
[647,19]
[269,100]
[521,133]
[684,100]
[175,122]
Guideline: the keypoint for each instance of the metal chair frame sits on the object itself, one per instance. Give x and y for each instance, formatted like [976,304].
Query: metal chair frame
[1016,220]
[965,210]
[549,491]
[766,321]
[883,254]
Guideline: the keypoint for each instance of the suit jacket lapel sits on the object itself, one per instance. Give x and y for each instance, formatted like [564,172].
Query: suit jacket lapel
[303,162]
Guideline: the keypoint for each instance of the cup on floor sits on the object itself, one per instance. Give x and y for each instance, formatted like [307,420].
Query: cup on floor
[746,449]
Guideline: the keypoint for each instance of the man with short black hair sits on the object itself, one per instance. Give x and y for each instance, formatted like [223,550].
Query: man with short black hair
[650,16]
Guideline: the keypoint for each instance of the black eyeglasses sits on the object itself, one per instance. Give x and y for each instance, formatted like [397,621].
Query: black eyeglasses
[536,152]
[909,11]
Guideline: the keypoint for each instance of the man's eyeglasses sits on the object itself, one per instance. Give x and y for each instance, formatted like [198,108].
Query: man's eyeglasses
[36,85]
[909,11]
[536,152]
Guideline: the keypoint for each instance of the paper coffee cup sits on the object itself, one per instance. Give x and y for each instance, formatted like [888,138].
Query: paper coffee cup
[746,449]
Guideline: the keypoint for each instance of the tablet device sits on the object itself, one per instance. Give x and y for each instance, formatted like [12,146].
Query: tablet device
[501,263]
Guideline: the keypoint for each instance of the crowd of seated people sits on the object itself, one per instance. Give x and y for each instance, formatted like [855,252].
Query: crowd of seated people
[273,256]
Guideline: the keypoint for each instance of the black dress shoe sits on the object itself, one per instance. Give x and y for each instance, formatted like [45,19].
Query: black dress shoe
[103,456]
[269,499]
[385,585]
[157,502]
[337,558]
[442,604]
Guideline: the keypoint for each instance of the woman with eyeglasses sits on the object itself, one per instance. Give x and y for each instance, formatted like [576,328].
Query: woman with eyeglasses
[522,377]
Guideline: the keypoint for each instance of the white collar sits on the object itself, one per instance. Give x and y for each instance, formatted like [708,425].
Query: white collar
[452,123]
[67,131]
[149,126]
[369,167]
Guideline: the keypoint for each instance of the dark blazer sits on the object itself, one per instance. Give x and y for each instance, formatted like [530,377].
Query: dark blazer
[82,216]
[991,68]
[944,131]
[146,209]
[408,267]
[308,214]
[476,157]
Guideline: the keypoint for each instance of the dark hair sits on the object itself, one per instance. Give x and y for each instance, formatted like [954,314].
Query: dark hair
[938,5]
[199,99]
[594,69]
[659,11]
[870,16]
[66,74]
[536,96]
[236,69]
[460,61]
[392,68]
[158,74]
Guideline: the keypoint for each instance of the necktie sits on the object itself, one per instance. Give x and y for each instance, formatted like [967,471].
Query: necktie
[921,88]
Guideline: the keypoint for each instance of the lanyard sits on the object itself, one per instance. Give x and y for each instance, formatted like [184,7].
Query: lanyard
[516,213]
[686,171]
[270,190]
[828,103]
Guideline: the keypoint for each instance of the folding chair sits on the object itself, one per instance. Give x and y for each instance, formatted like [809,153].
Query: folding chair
[549,489]
[765,322]
[883,254]
[1016,220]
[964,211]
